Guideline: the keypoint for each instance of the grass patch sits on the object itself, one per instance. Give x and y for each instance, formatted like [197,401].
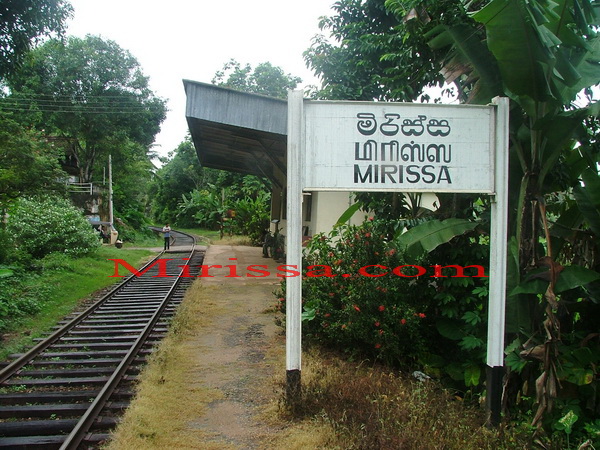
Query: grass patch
[213,237]
[203,235]
[63,284]
[145,241]
[374,407]
[168,399]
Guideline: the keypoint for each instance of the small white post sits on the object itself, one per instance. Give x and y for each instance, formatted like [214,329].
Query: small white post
[498,259]
[293,321]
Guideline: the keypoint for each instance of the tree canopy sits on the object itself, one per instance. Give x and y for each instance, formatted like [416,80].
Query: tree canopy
[365,52]
[91,93]
[28,163]
[264,79]
[23,23]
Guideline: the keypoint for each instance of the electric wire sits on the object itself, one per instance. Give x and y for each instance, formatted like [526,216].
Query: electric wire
[88,104]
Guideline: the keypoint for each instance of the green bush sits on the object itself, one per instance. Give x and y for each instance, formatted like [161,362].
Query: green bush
[40,226]
[5,243]
[19,298]
[437,324]
[200,208]
[373,316]
[252,216]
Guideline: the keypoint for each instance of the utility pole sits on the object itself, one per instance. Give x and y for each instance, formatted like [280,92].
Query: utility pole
[110,193]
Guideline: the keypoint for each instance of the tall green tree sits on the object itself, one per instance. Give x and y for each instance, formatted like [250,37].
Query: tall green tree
[264,79]
[28,163]
[178,176]
[90,92]
[23,23]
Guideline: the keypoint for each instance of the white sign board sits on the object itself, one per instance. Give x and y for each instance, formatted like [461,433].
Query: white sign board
[360,146]
[372,146]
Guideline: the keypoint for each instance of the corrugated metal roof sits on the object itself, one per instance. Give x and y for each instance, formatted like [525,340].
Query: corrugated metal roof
[237,131]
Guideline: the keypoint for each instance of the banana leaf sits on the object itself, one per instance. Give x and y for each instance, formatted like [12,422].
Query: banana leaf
[427,236]
[588,199]
[346,215]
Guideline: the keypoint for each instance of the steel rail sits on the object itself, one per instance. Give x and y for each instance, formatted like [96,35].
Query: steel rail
[77,435]
[110,382]
[14,366]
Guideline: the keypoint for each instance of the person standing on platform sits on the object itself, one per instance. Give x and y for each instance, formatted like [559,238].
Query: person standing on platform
[167,235]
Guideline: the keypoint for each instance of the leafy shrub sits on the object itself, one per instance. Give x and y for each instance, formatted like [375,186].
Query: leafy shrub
[58,262]
[206,209]
[5,243]
[252,216]
[436,323]
[375,316]
[200,208]
[19,298]
[40,226]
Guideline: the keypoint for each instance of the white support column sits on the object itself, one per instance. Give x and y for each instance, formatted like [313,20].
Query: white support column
[295,152]
[498,260]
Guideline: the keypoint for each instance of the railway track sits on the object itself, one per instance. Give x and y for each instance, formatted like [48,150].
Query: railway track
[69,390]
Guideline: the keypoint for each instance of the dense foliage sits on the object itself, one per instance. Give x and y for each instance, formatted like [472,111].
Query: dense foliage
[373,313]
[264,79]
[396,48]
[188,195]
[91,95]
[39,232]
[75,103]
[23,23]
[354,60]
[40,226]
[438,324]
[28,163]
[19,297]
[368,298]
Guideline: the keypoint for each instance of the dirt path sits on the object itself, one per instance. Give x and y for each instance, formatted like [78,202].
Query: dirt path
[217,369]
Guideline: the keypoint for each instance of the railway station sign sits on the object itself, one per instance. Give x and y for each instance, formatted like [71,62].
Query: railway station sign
[401,147]
[359,146]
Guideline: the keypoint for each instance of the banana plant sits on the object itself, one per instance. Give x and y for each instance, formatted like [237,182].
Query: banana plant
[541,55]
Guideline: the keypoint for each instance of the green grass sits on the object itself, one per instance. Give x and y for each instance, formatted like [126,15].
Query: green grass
[142,240]
[203,236]
[366,405]
[67,282]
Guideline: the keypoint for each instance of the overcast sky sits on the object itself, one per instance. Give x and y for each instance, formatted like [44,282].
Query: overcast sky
[187,39]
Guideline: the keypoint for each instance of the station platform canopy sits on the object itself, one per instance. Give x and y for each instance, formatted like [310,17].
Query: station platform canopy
[237,131]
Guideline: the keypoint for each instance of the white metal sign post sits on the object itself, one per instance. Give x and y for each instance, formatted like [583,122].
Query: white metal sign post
[373,146]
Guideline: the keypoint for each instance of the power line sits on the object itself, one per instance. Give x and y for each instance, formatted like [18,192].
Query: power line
[70,97]
[84,110]
[67,102]
[120,106]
